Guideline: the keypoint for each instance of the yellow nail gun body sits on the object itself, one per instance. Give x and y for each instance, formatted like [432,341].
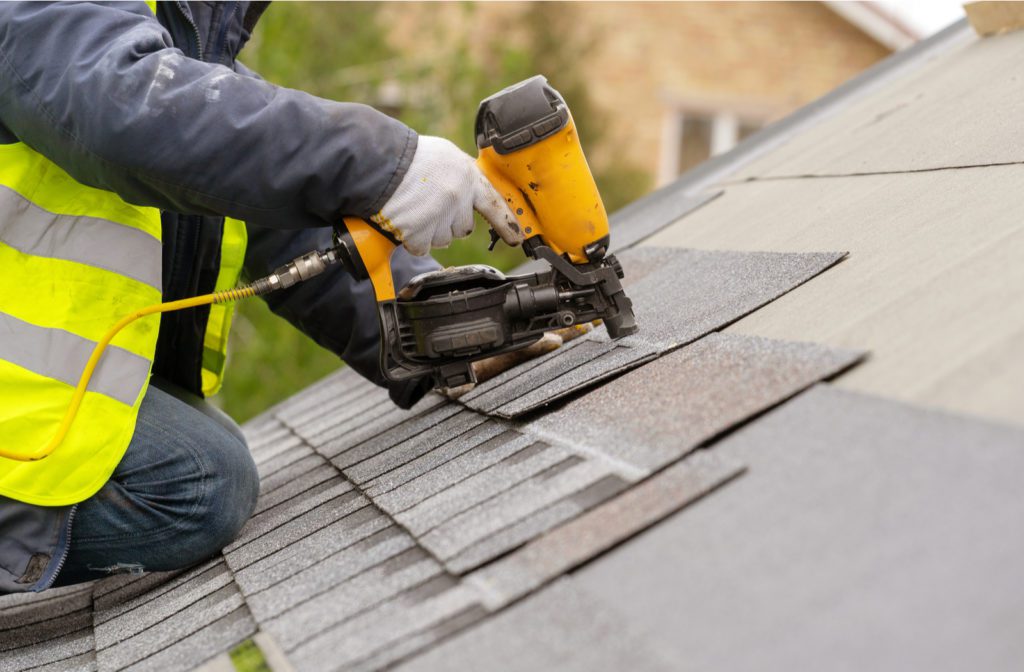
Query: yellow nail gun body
[443,321]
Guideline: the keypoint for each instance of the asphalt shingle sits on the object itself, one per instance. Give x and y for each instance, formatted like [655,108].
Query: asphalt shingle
[369,439]
[670,406]
[536,523]
[481,522]
[346,599]
[202,606]
[311,550]
[336,490]
[286,585]
[413,620]
[211,640]
[559,628]
[433,464]
[336,511]
[381,459]
[690,293]
[453,472]
[53,629]
[641,219]
[531,458]
[580,364]
[564,548]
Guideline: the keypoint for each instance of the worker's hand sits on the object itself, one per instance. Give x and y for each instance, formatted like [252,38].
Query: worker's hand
[434,203]
[485,369]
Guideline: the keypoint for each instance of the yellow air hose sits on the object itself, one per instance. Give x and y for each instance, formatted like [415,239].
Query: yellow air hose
[295,271]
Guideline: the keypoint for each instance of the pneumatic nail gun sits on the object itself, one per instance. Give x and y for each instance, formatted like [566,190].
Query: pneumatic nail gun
[443,321]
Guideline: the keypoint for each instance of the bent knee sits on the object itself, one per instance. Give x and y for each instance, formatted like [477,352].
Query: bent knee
[232,486]
[228,492]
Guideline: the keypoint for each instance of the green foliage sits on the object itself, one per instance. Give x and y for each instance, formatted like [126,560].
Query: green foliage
[269,360]
[247,657]
[330,50]
[339,51]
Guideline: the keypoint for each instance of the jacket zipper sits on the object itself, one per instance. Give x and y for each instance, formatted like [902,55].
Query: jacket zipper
[195,29]
[67,548]
[218,47]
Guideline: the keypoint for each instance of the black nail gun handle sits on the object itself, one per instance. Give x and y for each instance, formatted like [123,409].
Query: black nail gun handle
[366,253]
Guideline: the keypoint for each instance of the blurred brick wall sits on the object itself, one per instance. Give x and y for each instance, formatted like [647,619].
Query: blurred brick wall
[768,56]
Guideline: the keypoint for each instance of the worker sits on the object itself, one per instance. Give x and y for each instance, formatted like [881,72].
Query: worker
[133,146]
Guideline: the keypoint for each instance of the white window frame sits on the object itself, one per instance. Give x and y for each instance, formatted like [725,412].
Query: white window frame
[725,133]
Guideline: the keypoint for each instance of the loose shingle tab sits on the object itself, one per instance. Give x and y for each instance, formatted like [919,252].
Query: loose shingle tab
[669,407]
[685,294]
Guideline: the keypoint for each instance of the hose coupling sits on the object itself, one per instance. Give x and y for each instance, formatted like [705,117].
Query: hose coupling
[297,270]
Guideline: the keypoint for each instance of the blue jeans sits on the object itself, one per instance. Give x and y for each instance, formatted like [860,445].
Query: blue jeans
[184,489]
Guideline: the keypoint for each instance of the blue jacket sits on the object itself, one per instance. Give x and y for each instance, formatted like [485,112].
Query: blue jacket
[158,111]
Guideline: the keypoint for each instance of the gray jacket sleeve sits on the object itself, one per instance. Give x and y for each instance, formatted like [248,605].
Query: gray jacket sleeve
[100,91]
[334,309]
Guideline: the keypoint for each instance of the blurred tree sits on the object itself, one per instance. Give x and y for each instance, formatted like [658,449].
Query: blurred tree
[339,51]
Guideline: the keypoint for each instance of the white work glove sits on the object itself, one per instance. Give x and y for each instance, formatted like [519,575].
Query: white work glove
[434,203]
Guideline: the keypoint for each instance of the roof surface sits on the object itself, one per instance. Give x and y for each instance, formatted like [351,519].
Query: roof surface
[807,458]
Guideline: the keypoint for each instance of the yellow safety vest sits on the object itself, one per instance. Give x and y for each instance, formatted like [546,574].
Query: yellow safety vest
[74,260]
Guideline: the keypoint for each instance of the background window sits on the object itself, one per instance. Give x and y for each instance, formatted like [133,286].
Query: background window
[690,138]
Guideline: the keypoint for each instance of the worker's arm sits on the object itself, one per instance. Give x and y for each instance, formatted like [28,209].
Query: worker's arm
[333,308]
[100,91]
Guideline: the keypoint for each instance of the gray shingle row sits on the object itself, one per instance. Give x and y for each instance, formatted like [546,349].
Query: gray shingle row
[678,297]
[320,562]
[52,629]
[189,618]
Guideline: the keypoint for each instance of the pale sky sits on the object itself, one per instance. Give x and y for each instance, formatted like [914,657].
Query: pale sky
[925,16]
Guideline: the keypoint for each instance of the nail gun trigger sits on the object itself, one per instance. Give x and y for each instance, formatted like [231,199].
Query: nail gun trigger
[494,240]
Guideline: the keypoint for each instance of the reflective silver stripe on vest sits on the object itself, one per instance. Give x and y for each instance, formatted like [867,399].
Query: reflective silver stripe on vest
[88,240]
[61,355]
